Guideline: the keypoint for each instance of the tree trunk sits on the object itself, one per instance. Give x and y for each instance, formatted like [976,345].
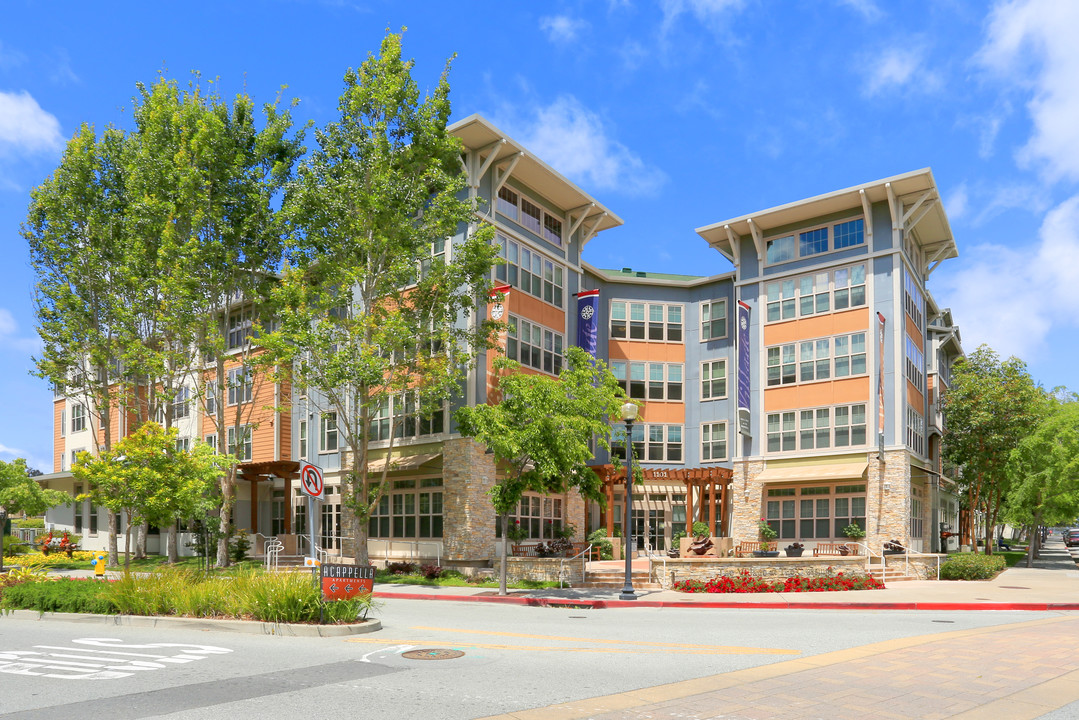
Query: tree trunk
[226,513]
[173,538]
[114,553]
[140,541]
[502,554]
[127,548]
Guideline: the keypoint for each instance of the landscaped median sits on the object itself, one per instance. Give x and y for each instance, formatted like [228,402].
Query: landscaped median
[245,595]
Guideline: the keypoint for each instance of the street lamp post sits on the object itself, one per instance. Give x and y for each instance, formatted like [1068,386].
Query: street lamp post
[629,414]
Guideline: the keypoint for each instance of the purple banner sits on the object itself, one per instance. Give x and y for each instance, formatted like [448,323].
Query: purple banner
[587,312]
[743,356]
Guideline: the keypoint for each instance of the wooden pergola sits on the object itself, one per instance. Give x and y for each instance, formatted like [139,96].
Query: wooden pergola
[259,471]
[704,483]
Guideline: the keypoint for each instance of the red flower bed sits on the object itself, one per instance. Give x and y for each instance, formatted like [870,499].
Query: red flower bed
[746,583]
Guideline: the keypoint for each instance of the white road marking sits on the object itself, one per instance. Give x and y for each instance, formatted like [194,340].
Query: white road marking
[99,661]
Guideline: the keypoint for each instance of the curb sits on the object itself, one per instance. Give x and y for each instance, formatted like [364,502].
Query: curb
[251,627]
[719,605]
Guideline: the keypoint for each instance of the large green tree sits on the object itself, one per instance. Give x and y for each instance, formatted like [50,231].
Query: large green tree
[20,493]
[1044,473]
[75,231]
[375,305]
[540,431]
[990,406]
[146,477]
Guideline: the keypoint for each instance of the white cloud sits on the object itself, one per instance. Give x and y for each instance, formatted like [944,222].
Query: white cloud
[1031,43]
[573,140]
[955,205]
[866,8]
[33,462]
[9,338]
[1018,196]
[904,68]
[1013,297]
[714,15]
[562,28]
[25,127]
[10,58]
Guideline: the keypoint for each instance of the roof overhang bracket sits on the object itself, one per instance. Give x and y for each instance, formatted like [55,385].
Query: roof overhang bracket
[736,251]
[758,239]
[936,260]
[867,209]
[927,195]
[576,224]
[591,232]
[502,174]
[918,218]
[492,151]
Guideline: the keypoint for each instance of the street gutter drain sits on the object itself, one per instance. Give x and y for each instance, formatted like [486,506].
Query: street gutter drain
[432,654]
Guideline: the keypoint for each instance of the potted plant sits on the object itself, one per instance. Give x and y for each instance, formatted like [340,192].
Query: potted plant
[854,531]
[795,549]
[767,535]
[894,547]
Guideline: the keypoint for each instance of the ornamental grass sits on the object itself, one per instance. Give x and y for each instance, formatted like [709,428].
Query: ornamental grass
[744,582]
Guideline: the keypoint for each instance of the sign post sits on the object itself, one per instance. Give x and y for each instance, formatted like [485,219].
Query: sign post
[312,484]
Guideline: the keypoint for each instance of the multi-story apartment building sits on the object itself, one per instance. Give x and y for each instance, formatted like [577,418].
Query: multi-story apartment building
[801,387]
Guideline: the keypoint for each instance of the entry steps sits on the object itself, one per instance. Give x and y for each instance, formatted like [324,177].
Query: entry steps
[894,572]
[610,579]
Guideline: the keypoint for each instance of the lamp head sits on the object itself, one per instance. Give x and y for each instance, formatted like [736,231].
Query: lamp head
[629,412]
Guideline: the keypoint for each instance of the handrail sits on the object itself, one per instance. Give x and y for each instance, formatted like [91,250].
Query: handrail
[868,554]
[414,548]
[906,558]
[273,548]
[584,564]
[663,582]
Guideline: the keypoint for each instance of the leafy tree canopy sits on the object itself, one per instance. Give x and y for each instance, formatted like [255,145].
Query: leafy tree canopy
[20,493]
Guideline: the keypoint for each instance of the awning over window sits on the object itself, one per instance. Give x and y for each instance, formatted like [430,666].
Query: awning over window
[814,473]
[408,462]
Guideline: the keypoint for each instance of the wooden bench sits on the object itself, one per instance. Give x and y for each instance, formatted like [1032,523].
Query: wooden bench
[532,550]
[747,548]
[842,549]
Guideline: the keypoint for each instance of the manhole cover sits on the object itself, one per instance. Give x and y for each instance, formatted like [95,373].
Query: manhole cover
[1014,587]
[432,654]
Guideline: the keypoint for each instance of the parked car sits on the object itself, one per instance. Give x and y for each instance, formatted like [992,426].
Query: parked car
[1071,537]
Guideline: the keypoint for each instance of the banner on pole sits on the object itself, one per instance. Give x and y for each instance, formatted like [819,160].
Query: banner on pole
[587,316]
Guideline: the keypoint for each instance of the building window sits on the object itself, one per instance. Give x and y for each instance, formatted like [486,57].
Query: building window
[815,513]
[330,527]
[651,443]
[438,254]
[815,360]
[180,406]
[815,293]
[915,431]
[211,398]
[913,300]
[239,442]
[816,428]
[815,241]
[528,214]
[240,386]
[303,440]
[714,380]
[531,272]
[183,444]
[75,492]
[916,508]
[915,364]
[540,516]
[240,327]
[649,381]
[63,423]
[78,418]
[646,321]
[211,440]
[412,509]
[713,442]
[327,437]
[406,419]
[534,345]
[714,320]
[507,202]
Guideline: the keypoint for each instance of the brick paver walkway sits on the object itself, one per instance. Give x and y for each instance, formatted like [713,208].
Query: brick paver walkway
[1016,671]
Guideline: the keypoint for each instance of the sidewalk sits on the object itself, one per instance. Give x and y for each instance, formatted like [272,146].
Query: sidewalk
[1052,584]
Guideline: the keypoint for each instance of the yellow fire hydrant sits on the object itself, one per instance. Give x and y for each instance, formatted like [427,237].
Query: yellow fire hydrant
[99,564]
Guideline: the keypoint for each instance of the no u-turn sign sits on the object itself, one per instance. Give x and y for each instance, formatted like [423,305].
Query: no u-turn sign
[311,480]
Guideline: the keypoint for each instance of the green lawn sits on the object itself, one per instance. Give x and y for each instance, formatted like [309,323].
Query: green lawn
[455,580]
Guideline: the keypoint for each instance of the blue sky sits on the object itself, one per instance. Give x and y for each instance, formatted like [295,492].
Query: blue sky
[673,113]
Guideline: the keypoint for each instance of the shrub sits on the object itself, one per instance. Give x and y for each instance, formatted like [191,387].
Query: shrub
[746,583]
[29,523]
[401,568]
[431,572]
[971,566]
[238,546]
[62,595]
[13,546]
[701,528]
[598,538]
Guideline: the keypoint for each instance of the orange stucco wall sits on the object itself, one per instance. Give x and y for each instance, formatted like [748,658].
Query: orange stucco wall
[833,392]
[816,326]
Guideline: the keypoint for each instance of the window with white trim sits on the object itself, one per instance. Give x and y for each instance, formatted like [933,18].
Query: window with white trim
[241,386]
[181,408]
[183,444]
[713,442]
[240,327]
[211,398]
[411,509]
[913,300]
[815,293]
[655,322]
[78,417]
[534,346]
[649,381]
[531,272]
[519,208]
[403,412]
[327,435]
[714,380]
[303,439]
[815,513]
[211,440]
[917,505]
[239,442]
[915,431]
[816,428]
[713,320]
[541,517]
[651,442]
[63,423]
[815,241]
[915,364]
[814,360]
